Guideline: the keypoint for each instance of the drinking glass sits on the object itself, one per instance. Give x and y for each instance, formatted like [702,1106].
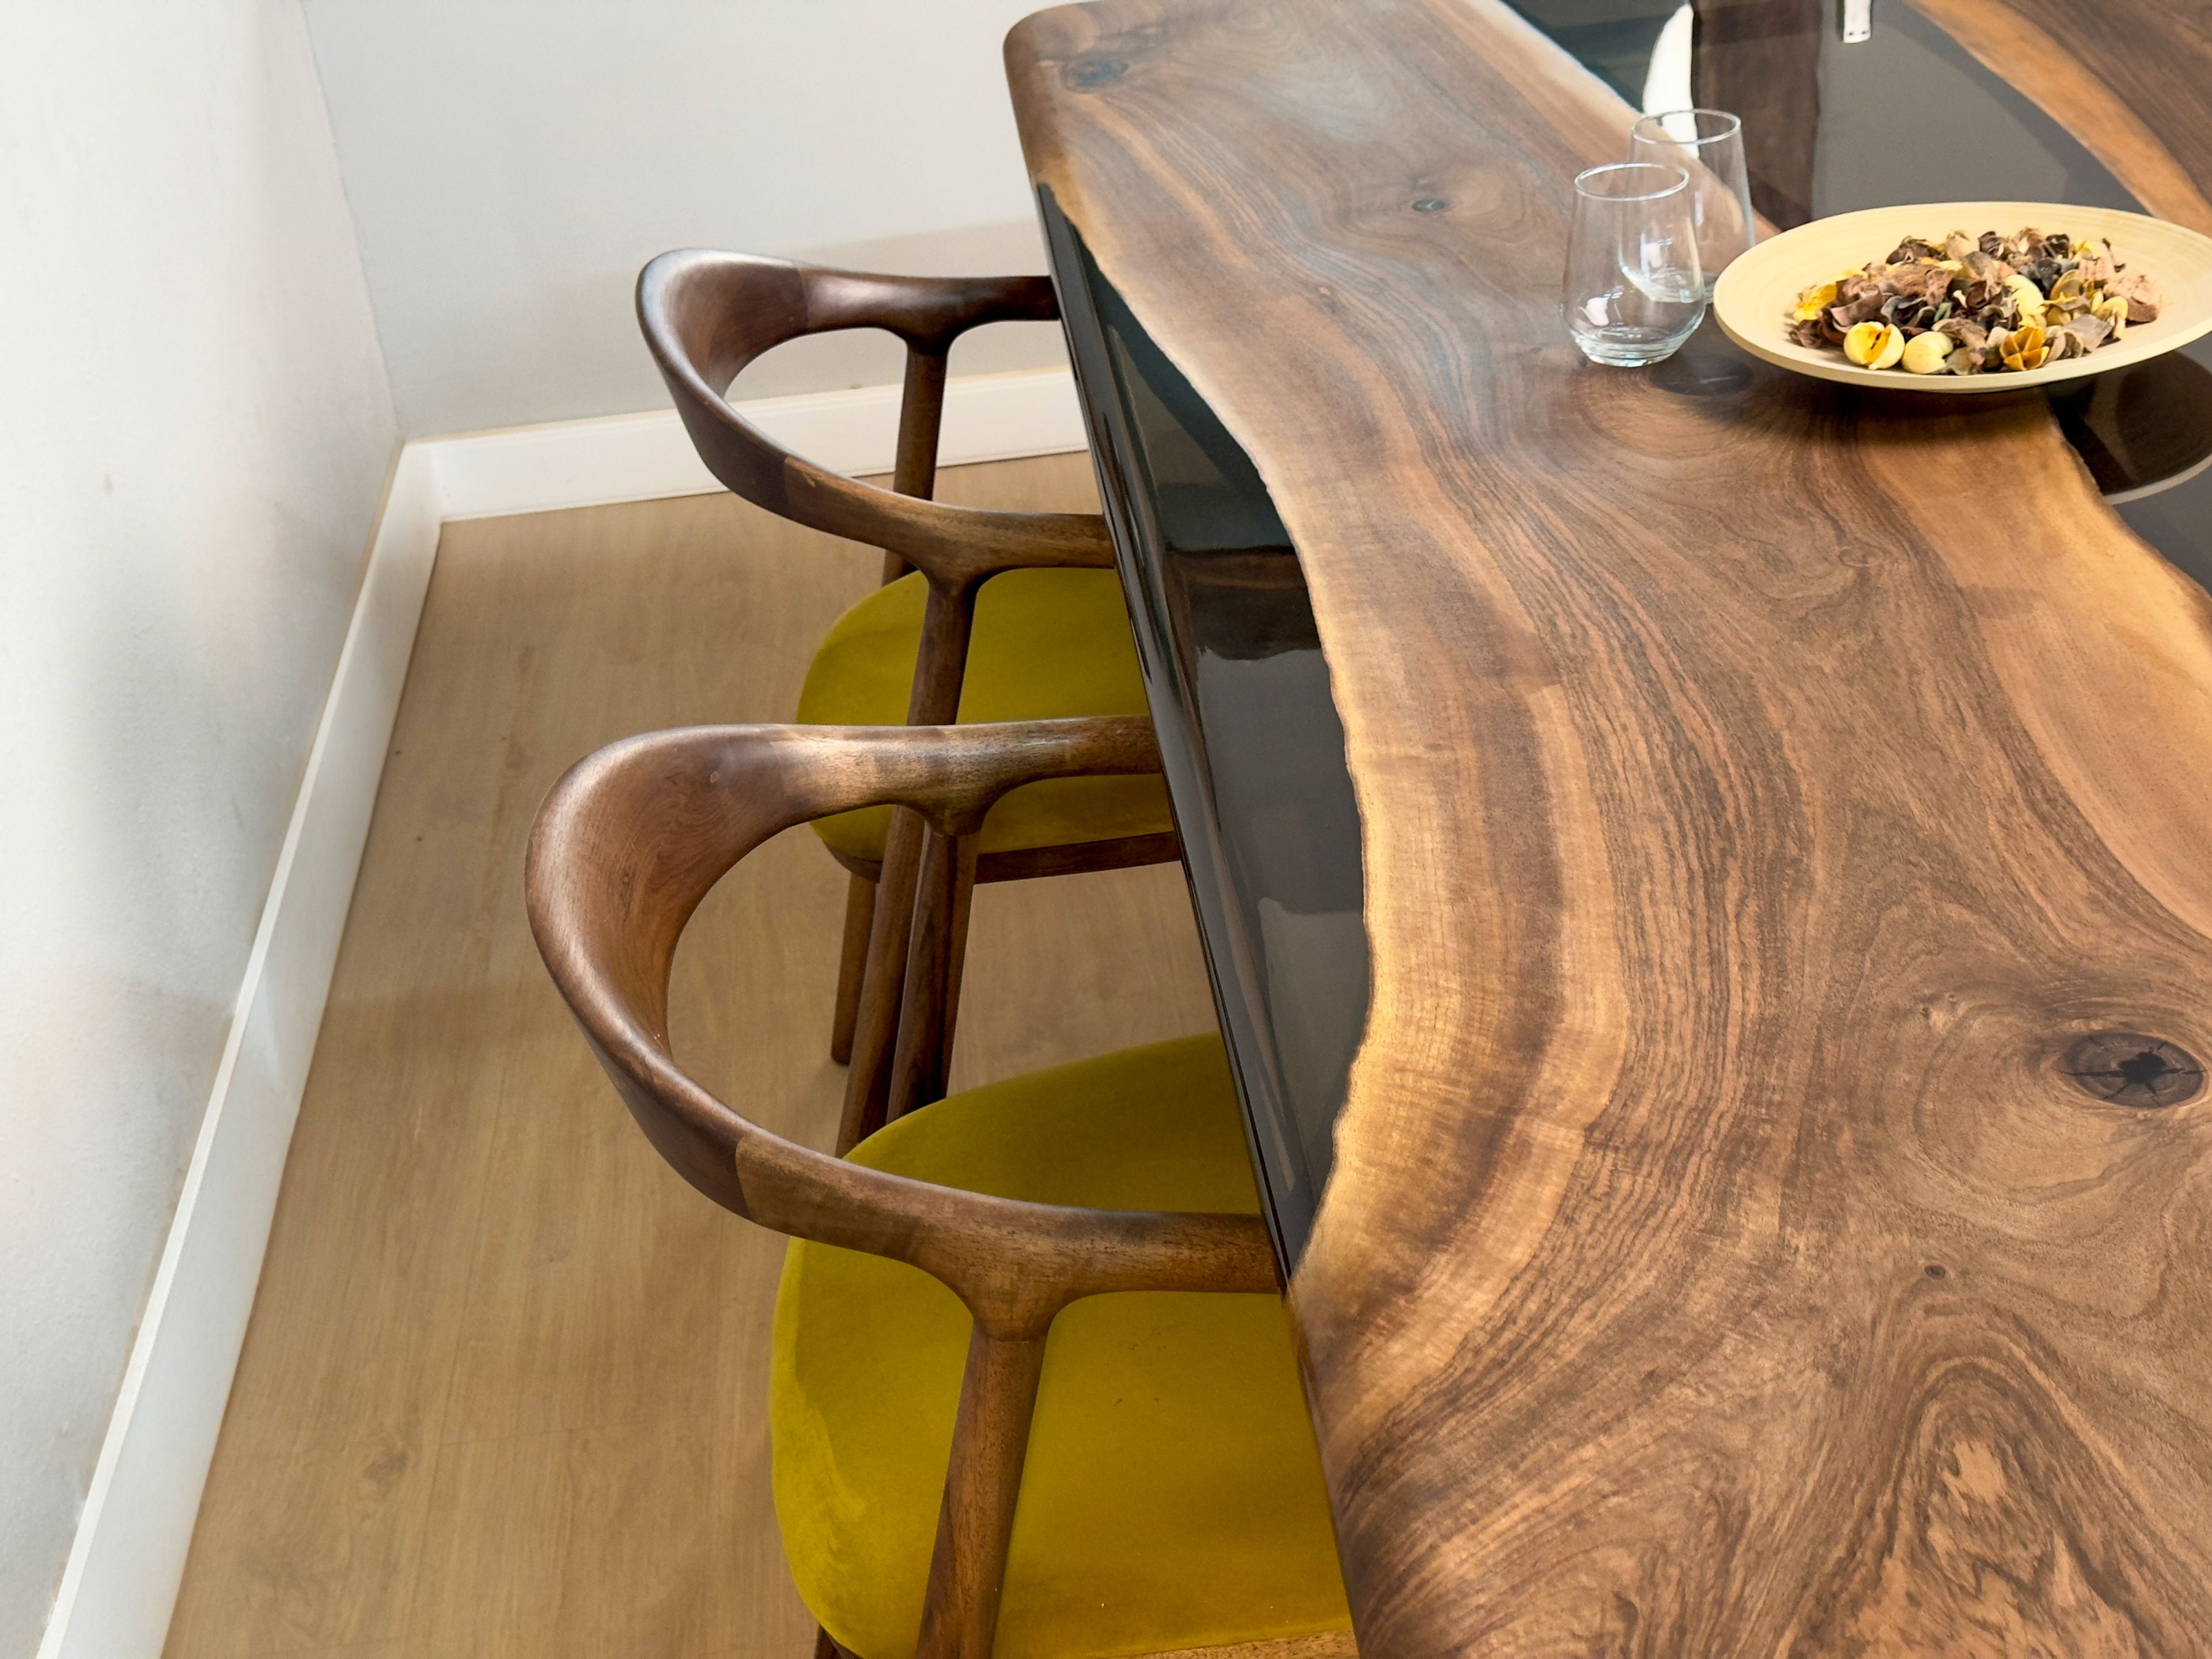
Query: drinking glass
[1633,290]
[1708,145]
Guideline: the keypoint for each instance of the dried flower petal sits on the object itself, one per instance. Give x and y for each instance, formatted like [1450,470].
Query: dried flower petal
[2142,295]
[1814,301]
[2092,328]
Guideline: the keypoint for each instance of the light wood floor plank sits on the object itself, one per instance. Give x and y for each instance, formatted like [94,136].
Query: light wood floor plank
[504,1389]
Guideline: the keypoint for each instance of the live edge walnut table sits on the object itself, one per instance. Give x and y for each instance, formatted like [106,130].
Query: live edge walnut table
[1719,1018]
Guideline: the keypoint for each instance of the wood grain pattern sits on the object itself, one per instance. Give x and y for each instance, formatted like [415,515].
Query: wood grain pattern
[504,1395]
[2128,79]
[1760,789]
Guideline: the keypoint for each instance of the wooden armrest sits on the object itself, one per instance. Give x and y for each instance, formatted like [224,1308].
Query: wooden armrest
[632,839]
[706,315]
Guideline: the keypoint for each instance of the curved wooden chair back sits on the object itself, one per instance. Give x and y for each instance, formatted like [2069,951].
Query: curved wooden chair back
[623,850]
[706,315]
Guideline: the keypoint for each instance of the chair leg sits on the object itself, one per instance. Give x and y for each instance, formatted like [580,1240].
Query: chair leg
[883,983]
[921,411]
[946,620]
[851,966]
[963,899]
[921,1060]
[990,1439]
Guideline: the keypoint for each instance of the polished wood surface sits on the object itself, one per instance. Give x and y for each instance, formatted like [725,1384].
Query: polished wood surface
[504,1395]
[1762,788]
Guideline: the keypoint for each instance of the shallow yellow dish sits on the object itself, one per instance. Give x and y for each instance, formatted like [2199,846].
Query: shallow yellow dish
[1755,296]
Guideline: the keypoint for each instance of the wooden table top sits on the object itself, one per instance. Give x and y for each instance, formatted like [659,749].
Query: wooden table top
[1762,799]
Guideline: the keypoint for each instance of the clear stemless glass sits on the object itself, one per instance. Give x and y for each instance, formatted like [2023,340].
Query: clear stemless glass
[1633,290]
[1708,145]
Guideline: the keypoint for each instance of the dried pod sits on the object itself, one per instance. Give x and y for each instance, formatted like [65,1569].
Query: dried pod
[2027,296]
[1925,353]
[2112,311]
[1874,345]
[1958,245]
[1982,286]
[2024,349]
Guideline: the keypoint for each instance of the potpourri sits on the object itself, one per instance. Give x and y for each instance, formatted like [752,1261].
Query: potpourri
[1979,305]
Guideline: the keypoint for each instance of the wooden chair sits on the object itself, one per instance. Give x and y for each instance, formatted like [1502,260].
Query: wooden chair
[1049,637]
[981,1286]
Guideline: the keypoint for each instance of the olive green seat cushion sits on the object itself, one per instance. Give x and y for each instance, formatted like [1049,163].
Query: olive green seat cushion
[1172,1496]
[1046,644]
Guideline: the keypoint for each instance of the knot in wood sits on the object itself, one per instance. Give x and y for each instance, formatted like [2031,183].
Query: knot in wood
[1085,73]
[2131,1069]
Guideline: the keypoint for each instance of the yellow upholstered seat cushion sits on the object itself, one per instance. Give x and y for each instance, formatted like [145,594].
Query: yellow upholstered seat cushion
[1172,1496]
[1046,644]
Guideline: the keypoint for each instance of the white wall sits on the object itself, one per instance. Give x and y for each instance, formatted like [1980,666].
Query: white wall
[511,163]
[194,427]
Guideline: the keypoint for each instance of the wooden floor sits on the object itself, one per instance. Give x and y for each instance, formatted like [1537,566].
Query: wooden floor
[503,1390]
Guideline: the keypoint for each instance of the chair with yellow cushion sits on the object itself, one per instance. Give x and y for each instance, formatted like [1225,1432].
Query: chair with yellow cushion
[982,616]
[1031,1381]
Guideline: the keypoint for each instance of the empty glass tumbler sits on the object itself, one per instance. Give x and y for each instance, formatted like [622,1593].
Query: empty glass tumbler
[1708,145]
[1633,290]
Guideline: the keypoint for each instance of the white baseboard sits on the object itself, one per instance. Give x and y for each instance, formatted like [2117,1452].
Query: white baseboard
[120,1583]
[628,458]
[119,1586]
